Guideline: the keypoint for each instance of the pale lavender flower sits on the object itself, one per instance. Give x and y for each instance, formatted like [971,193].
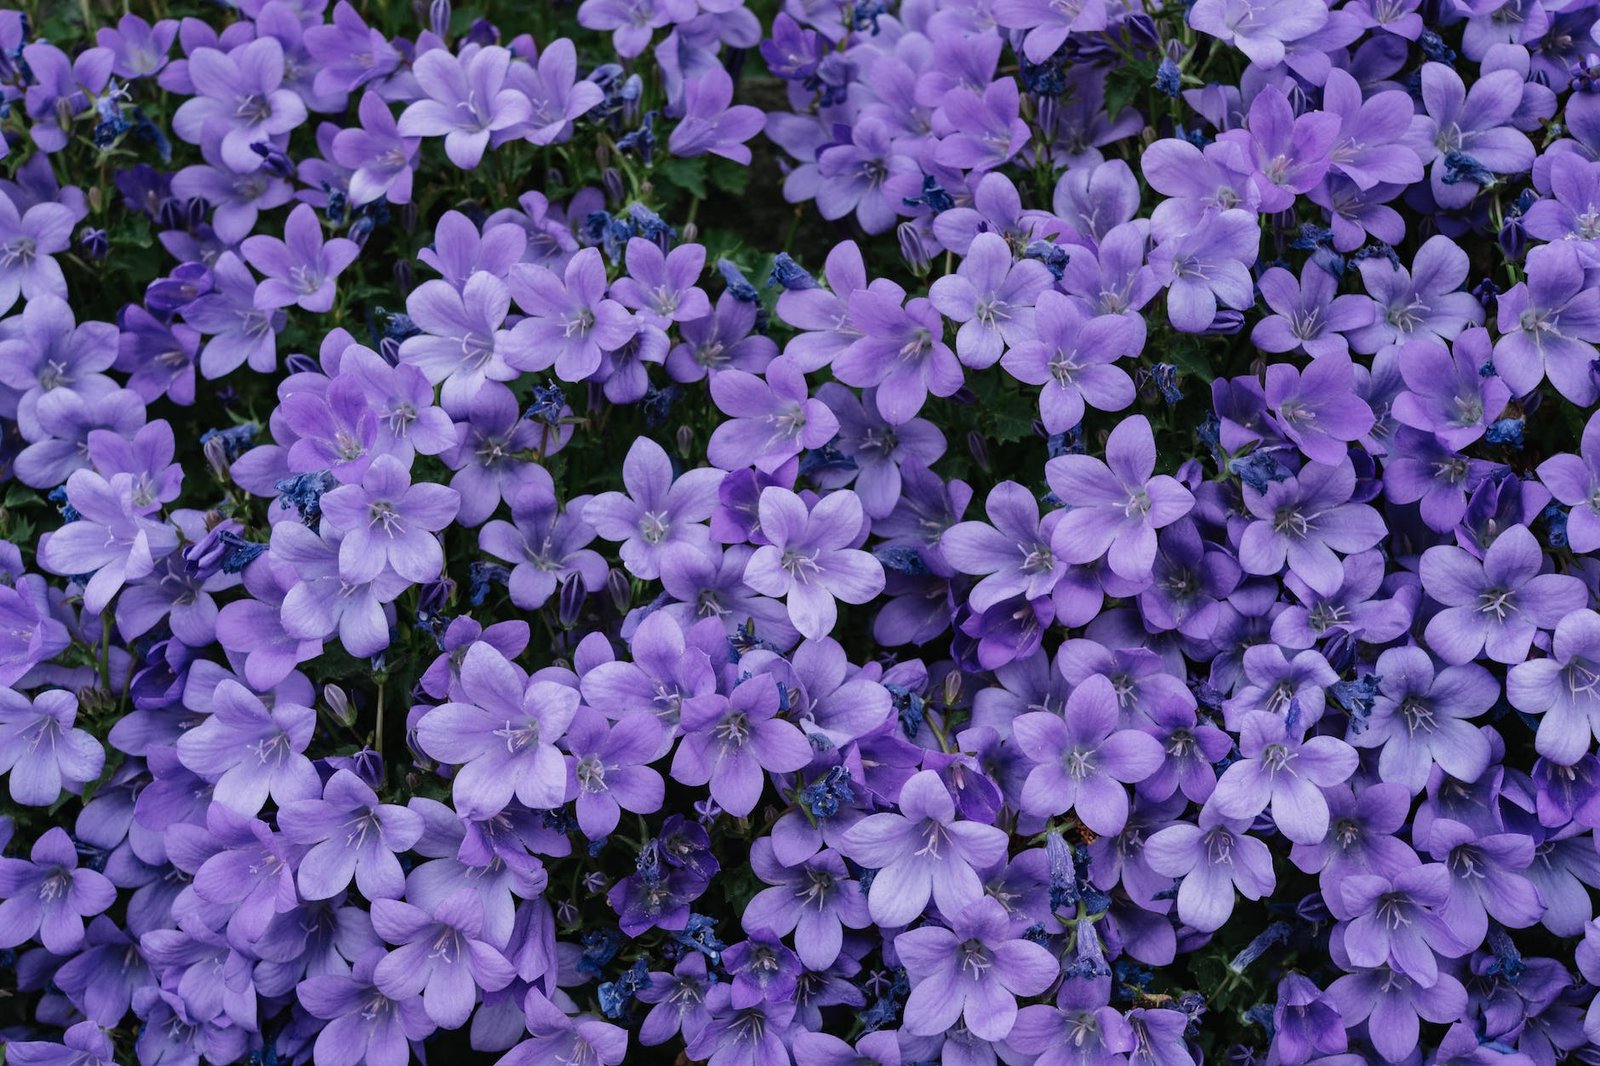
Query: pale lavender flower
[299,269]
[239,92]
[41,750]
[809,560]
[992,296]
[465,101]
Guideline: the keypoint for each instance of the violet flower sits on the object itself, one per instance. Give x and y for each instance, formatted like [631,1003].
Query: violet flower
[465,101]
[387,520]
[808,559]
[48,895]
[241,93]
[41,750]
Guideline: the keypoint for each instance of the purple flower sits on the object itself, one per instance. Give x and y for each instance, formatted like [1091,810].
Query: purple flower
[1446,393]
[980,131]
[381,161]
[1259,30]
[240,332]
[249,751]
[1371,148]
[364,1023]
[84,1044]
[1309,315]
[609,768]
[1417,718]
[1547,324]
[771,421]
[1279,769]
[658,512]
[239,94]
[504,739]
[1486,879]
[1049,24]
[1318,407]
[1304,520]
[442,955]
[28,243]
[632,22]
[731,743]
[462,344]
[1425,302]
[900,350]
[1213,859]
[1495,605]
[1012,549]
[1116,506]
[544,545]
[1475,123]
[808,559]
[1082,758]
[815,900]
[1561,688]
[570,322]
[1207,266]
[41,749]
[387,520]
[556,98]
[299,269]
[139,49]
[922,851]
[465,101]
[111,539]
[973,971]
[1397,921]
[352,836]
[47,895]
[992,296]
[556,1037]
[709,124]
[1284,154]
[1390,1003]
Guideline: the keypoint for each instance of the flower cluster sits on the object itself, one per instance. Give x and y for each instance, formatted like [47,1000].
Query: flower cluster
[1115,585]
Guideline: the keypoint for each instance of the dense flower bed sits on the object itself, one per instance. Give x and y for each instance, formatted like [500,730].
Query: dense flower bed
[1042,531]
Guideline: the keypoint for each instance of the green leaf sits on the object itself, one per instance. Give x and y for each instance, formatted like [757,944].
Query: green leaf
[686,174]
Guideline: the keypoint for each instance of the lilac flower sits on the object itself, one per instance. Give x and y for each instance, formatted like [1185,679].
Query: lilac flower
[249,751]
[301,268]
[609,771]
[1424,303]
[1417,718]
[1207,267]
[1475,123]
[730,744]
[491,454]
[381,161]
[1049,24]
[720,340]
[239,331]
[83,1044]
[47,895]
[465,101]
[1082,759]
[139,49]
[815,900]
[1116,506]
[663,286]
[1073,356]
[1371,149]
[972,971]
[364,1024]
[922,851]
[900,350]
[239,92]
[980,130]
[544,545]
[632,22]
[1213,858]
[1309,316]
[1446,394]
[1284,154]
[878,449]
[41,749]
[1318,408]
[442,955]
[1397,921]
[808,559]
[709,124]
[504,738]
[1390,1003]
[1012,550]
[658,511]
[1485,880]
[992,296]
[570,322]
[111,539]
[1280,769]
[555,1037]
[1305,519]
[352,836]
[28,243]
[462,344]
[1547,324]
[1561,688]
[1260,31]
[771,421]
[556,98]
[1494,605]
[387,520]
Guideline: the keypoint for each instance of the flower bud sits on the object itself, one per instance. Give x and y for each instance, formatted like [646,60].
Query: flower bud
[94,242]
[978,447]
[620,589]
[685,440]
[439,12]
[339,704]
[570,600]
[912,249]
[611,182]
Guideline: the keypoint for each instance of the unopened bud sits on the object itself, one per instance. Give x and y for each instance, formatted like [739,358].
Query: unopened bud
[685,440]
[339,704]
[569,604]
[611,182]
[439,12]
[912,249]
[978,447]
[216,453]
[952,688]
[620,589]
